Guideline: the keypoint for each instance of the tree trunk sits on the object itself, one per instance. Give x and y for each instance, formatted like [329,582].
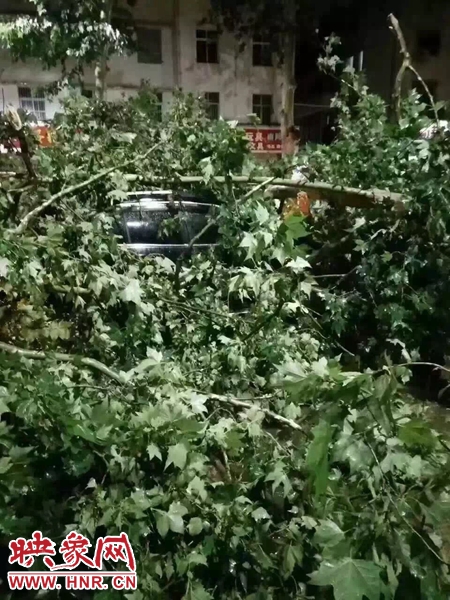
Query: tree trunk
[289,83]
[101,66]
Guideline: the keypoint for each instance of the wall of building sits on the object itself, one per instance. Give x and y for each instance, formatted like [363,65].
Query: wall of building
[234,77]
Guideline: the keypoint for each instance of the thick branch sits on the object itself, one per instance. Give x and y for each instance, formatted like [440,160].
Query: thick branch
[394,25]
[72,358]
[75,188]
[327,192]
[248,405]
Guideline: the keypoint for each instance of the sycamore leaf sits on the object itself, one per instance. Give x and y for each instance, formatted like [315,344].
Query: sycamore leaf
[328,534]
[195,526]
[162,524]
[176,523]
[262,214]
[317,456]
[198,486]
[260,513]
[417,432]
[296,226]
[133,292]
[293,555]
[298,265]
[197,592]
[152,451]
[351,579]
[177,456]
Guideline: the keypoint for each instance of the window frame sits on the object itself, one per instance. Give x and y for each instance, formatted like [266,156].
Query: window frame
[28,102]
[212,105]
[149,56]
[207,46]
[261,51]
[259,107]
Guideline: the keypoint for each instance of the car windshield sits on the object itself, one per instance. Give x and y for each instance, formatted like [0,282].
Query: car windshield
[160,221]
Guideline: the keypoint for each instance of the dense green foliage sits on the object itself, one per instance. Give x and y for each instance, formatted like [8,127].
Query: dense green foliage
[392,295]
[200,408]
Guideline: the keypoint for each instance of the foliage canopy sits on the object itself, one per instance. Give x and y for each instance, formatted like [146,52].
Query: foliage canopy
[199,406]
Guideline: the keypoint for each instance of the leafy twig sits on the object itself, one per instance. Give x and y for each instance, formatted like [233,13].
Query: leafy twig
[402,517]
[208,226]
[75,188]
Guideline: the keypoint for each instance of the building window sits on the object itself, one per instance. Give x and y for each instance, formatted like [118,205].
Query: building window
[262,51]
[212,100]
[32,102]
[428,43]
[159,102]
[87,93]
[149,46]
[262,107]
[207,46]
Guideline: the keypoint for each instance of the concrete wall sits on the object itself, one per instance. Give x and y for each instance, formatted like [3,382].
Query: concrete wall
[234,77]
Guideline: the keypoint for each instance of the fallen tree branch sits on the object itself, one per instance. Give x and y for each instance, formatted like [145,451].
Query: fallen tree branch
[406,65]
[327,192]
[72,358]
[248,405]
[75,188]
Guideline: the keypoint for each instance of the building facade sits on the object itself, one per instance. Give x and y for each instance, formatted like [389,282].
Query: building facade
[178,48]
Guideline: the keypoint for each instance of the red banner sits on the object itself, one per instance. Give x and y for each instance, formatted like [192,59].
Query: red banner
[45,135]
[264,139]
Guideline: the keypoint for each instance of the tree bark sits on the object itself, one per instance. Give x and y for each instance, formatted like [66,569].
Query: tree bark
[101,67]
[289,83]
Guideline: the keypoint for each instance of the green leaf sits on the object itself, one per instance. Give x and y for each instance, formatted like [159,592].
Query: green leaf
[177,456]
[195,526]
[162,524]
[260,513]
[198,486]
[176,514]
[133,292]
[317,456]
[176,523]
[293,555]
[5,464]
[296,226]
[197,592]
[298,265]
[417,434]
[152,451]
[351,579]
[328,534]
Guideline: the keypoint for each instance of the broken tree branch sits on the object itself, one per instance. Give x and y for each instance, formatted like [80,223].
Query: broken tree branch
[76,188]
[406,65]
[327,192]
[72,358]
[248,405]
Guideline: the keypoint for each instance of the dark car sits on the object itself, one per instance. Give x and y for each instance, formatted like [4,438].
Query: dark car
[165,222]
